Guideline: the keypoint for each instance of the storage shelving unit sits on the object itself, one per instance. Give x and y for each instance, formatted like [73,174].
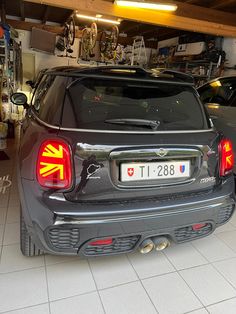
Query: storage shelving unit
[10,76]
[201,70]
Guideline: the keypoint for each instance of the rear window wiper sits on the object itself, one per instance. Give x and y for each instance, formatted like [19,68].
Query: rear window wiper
[153,124]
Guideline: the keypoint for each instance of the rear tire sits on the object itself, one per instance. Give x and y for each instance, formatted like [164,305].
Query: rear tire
[28,248]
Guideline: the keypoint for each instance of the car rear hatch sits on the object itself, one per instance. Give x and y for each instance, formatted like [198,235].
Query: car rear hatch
[176,165]
[134,138]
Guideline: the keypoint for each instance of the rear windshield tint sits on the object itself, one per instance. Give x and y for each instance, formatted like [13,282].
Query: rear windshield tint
[123,105]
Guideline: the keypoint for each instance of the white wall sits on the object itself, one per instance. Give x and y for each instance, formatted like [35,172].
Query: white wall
[229,46]
[44,60]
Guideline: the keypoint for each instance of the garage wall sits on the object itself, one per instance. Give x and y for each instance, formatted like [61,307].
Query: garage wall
[229,46]
[43,60]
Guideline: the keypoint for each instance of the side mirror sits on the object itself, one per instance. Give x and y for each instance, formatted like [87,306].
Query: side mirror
[19,99]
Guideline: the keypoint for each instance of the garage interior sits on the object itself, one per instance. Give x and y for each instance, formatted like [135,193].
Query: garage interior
[199,39]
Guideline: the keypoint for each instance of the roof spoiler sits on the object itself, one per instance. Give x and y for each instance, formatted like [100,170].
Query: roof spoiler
[179,76]
[120,69]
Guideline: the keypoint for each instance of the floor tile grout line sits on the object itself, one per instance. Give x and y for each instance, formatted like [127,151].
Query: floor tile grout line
[21,270]
[72,296]
[219,240]
[62,262]
[222,301]
[224,278]
[119,285]
[46,276]
[200,308]
[22,308]
[223,260]
[184,279]
[4,226]
[13,243]
[212,264]
[209,262]
[140,280]
[65,262]
[225,241]
[205,263]
[218,260]
[98,292]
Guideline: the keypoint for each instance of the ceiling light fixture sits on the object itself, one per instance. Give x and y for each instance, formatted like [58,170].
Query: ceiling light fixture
[97,19]
[161,6]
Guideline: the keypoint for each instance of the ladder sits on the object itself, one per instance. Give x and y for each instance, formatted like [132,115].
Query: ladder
[139,55]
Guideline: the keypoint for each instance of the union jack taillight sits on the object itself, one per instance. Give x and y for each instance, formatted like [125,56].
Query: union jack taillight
[54,169]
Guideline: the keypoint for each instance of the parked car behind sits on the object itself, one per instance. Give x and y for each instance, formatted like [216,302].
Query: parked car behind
[114,159]
[219,97]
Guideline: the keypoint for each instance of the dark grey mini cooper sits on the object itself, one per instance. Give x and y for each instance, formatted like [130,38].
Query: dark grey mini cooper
[114,159]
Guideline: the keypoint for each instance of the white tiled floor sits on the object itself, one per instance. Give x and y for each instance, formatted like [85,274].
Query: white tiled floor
[196,278]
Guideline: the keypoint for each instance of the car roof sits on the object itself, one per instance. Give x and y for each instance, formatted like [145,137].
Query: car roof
[124,72]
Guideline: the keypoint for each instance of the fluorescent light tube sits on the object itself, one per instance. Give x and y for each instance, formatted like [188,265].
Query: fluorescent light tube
[97,19]
[147,5]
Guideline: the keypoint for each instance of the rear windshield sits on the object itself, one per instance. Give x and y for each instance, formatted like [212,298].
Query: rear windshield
[123,105]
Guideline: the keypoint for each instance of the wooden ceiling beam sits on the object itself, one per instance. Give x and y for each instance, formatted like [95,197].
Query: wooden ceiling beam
[218,4]
[3,11]
[187,17]
[149,31]
[46,14]
[22,10]
[67,17]
[170,34]
[130,28]
[191,1]
[201,13]
[143,30]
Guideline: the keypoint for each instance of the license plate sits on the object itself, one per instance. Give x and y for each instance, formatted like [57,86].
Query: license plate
[154,170]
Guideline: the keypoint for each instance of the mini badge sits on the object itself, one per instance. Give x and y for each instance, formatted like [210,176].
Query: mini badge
[182,168]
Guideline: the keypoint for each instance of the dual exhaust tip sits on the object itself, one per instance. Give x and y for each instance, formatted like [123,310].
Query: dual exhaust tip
[159,243]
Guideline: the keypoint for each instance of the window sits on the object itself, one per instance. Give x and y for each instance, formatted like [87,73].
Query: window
[218,91]
[233,103]
[48,98]
[95,103]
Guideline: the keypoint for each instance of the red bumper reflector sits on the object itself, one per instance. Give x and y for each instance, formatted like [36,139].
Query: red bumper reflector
[198,226]
[101,242]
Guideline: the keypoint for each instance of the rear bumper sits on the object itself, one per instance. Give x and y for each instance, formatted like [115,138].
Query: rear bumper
[61,227]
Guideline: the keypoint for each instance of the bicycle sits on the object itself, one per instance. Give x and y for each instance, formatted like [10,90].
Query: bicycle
[116,57]
[109,41]
[66,38]
[88,40]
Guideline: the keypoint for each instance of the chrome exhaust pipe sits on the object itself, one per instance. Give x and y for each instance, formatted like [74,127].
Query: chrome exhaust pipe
[146,246]
[160,243]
